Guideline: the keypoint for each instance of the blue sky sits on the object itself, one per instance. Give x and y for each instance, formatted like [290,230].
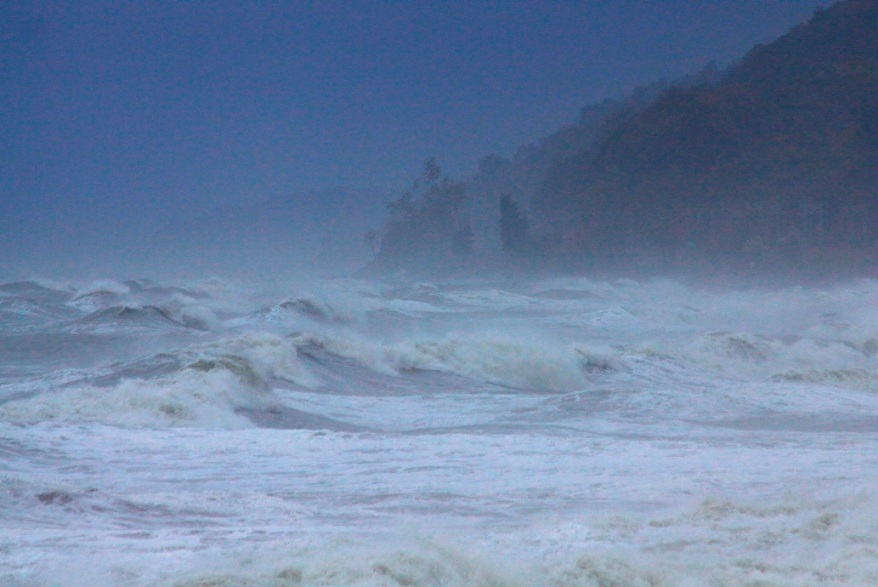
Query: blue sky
[176,102]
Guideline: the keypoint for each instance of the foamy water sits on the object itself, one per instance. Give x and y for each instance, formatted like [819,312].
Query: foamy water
[563,432]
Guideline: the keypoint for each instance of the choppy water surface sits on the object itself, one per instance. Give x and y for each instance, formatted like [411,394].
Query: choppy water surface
[555,433]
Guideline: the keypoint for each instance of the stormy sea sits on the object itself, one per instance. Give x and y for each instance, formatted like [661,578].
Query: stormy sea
[555,432]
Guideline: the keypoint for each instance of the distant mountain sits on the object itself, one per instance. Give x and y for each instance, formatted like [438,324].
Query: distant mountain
[776,160]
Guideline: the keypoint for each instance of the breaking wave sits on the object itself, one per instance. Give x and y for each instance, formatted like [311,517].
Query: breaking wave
[560,434]
[502,360]
[206,387]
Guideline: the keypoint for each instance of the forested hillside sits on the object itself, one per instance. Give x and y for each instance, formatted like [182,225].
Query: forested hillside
[771,164]
[776,162]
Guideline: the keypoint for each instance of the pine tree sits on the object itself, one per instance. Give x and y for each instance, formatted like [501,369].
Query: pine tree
[426,227]
[513,227]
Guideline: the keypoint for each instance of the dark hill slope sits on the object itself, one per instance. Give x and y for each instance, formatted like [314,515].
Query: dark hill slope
[524,172]
[776,161]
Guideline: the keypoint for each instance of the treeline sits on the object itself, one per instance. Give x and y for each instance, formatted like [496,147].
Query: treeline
[776,161]
[771,163]
[428,228]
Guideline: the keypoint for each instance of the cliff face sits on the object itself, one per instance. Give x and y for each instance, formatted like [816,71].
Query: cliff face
[778,156]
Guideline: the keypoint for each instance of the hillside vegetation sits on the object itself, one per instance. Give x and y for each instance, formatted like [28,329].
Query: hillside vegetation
[775,162]
[771,165]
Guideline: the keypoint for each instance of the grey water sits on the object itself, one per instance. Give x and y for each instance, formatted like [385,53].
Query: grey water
[342,431]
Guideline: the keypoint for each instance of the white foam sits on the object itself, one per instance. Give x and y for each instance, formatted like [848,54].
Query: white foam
[503,360]
[649,435]
[189,398]
[218,379]
[787,543]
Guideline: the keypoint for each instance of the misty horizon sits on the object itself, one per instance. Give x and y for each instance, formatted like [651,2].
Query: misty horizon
[120,119]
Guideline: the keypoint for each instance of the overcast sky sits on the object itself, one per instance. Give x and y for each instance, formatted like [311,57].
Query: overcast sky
[186,101]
